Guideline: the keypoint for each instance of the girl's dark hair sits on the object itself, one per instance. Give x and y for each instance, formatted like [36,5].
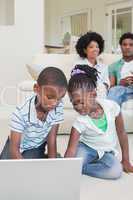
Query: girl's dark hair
[126,36]
[83,76]
[52,76]
[86,39]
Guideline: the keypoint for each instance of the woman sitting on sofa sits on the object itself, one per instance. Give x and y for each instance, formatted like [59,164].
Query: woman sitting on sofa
[89,47]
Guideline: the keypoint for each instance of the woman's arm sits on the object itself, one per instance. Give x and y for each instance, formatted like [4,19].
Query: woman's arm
[15,145]
[73,142]
[51,141]
[123,139]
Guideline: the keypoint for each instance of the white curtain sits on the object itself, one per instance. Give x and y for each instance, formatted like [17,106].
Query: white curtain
[79,24]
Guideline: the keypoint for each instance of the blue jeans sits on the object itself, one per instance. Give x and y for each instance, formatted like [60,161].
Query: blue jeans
[120,94]
[35,153]
[108,167]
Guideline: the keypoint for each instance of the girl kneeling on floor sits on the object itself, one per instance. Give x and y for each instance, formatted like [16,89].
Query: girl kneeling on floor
[93,135]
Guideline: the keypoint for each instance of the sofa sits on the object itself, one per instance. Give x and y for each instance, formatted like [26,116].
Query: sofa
[65,62]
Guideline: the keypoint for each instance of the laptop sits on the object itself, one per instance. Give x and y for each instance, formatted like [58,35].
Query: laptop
[40,179]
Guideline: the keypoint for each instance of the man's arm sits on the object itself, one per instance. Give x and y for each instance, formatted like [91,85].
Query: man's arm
[51,141]
[73,142]
[123,139]
[15,145]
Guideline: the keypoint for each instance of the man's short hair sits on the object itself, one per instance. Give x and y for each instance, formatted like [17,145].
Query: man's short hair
[127,35]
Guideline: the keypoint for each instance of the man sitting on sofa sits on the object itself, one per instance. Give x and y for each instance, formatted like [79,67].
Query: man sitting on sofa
[121,72]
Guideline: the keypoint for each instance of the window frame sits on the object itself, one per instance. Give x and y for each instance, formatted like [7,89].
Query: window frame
[68,17]
[109,8]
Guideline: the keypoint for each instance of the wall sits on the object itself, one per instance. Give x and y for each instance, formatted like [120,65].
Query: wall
[58,8]
[6,12]
[18,43]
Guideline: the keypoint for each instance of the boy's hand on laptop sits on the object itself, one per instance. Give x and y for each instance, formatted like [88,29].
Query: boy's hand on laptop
[127,166]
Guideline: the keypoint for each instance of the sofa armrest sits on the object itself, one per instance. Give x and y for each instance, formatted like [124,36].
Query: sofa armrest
[26,85]
[25,90]
[127,111]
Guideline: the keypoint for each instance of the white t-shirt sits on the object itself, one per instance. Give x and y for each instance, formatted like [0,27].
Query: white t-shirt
[94,137]
[127,69]
[103,75]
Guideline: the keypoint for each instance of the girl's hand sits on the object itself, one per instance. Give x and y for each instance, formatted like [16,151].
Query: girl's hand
[72,144]
[127,167]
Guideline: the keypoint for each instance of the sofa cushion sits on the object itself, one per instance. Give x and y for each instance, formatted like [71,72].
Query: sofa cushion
[63,61]
[31,69]
[108,58]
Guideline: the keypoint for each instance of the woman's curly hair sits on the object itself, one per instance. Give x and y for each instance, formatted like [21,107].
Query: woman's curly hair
[86,39]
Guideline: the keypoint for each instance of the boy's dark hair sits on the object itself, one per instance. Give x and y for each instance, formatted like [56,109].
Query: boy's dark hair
[127,35]
[85,78]
[52,76]
[85,40]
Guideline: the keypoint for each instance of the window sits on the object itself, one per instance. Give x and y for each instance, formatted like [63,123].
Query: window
[119,21]
[79,24]
[76,24]
[7,12]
